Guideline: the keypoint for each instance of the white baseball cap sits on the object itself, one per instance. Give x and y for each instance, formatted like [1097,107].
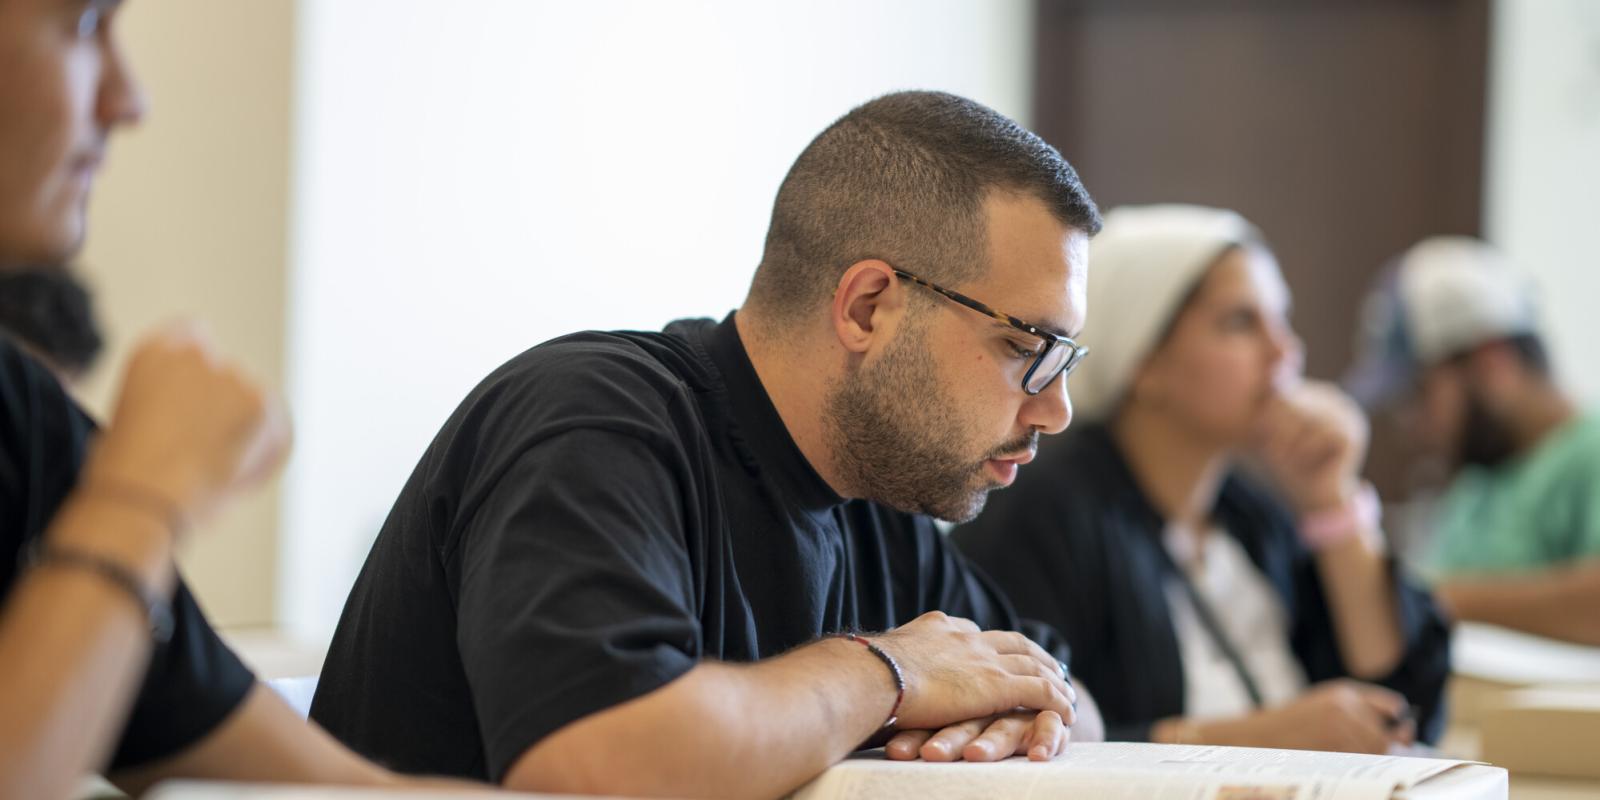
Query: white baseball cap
[1142,264]
[1443,297]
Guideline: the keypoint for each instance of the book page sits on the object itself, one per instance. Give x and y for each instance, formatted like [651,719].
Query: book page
[1513,657]
[859,779]
[1119,769]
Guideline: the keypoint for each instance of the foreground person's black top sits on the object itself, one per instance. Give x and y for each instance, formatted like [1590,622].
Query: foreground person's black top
[601,513]
[193,681]
[1076,544]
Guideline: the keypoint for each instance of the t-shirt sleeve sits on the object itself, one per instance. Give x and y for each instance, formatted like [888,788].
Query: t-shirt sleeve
[575,590]
[193,684]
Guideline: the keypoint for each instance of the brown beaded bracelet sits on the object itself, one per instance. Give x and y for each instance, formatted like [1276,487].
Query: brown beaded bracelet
[894,669]
[157,611]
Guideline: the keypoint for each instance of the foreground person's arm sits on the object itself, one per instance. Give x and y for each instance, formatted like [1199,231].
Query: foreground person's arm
[71,649]
[759,730]
[265,741]
[74,636]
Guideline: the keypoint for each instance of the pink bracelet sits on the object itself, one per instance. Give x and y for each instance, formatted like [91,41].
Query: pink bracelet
[1361,512]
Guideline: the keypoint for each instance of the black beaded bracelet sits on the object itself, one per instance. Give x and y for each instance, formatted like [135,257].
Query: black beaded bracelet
[894,669]
[156,608]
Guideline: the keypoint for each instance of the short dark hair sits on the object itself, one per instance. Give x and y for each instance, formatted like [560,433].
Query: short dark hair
[51,312]
[903,178]
[1529,349]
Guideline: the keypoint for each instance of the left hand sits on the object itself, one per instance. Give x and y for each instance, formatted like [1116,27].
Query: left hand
[1313,439]
[1040,736]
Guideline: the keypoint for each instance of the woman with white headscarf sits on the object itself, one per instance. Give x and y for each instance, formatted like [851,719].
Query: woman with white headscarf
[1201,607]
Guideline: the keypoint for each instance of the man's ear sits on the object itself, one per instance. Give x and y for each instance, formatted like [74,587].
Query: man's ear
[867,304]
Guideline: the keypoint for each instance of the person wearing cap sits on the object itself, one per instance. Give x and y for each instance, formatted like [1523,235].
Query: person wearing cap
[1451,334]
[1203,606]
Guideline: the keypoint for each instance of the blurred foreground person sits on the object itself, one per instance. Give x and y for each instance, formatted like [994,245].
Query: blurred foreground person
[106,662]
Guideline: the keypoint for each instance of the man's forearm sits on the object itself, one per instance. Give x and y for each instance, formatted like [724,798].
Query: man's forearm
[721,730]
[71,646]
[262,741]
[1561,603]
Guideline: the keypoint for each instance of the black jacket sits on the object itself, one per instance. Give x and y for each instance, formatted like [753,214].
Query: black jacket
[1076,544]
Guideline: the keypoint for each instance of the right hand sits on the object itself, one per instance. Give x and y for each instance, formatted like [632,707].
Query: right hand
[188,427]
[1341,715]
[1313,439]
[1040,736]
[956,672]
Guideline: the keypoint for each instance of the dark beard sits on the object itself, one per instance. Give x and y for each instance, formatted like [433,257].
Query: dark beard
[897,440]
[1485,440]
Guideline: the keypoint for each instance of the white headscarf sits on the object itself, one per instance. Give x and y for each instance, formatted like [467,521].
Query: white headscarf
[1143,263]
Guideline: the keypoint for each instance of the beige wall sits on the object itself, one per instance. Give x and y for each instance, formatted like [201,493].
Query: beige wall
[190,221]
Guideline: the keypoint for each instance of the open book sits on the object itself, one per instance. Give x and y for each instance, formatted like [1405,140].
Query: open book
[1514,658]
[1488,661]
[1117,770]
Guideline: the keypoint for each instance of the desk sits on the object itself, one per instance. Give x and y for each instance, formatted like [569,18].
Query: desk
[1124,771]
[1490,663]
[1524,788]
[1462,741]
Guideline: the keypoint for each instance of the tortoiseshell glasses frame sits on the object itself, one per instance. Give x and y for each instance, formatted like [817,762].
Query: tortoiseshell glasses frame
[1058,355]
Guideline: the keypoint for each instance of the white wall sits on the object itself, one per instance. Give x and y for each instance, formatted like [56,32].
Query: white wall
[1542,193]
[475,177]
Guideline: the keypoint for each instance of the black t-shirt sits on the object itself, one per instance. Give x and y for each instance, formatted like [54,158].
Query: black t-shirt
[601,513]
[193,681]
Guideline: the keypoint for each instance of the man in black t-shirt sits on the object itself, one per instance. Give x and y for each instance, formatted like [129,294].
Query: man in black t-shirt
[106,662]
[622,564]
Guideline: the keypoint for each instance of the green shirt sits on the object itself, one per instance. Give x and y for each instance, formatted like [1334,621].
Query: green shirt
[1538,510]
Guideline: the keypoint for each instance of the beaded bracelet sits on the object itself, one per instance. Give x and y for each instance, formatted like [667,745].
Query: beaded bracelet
[156,608]
[894,669]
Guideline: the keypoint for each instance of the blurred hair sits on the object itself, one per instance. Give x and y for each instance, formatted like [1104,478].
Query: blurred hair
[48,310]
[1527,347]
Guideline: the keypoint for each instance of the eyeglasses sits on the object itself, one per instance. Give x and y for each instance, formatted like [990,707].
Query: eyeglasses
[1057,356]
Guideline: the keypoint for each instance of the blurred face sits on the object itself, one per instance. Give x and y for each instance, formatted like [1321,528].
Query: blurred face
[939,419]
[1437,411]
[1227,351]
[1454,415]
[63,89]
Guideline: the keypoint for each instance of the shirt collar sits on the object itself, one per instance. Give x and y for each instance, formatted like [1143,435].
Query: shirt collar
[774,456]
